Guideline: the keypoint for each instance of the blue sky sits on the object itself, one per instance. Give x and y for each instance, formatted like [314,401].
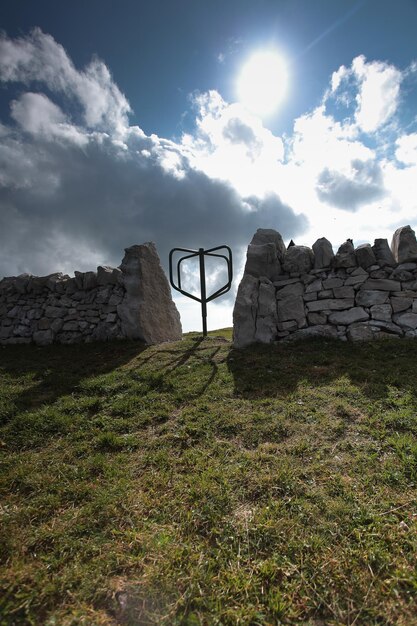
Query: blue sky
[121,122]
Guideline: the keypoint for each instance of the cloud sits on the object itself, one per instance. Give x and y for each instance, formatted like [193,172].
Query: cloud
[377,91]
[362,185]
[39,58]
[77,189]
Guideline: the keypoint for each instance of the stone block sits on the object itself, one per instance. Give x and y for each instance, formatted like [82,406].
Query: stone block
[381,312]
[323,253]
[331,304]
[360,332]
[43,337]
[365,256]
[292,290]
[315,319]
[355,280]
[406,320]
[401,304]
[350,316]
[370,297]
[325,294]
[383,253]
[331,283]
[291,309]
[381,284]
[344,292]
[315,285]
[298,259]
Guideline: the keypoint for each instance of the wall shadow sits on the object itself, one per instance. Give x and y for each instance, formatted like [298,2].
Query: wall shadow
[56,371]
[276,370]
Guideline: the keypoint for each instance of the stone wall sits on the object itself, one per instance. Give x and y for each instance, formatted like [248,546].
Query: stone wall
[355,294]
[131,301]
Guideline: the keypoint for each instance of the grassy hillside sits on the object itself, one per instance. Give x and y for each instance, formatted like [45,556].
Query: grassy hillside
[191,483]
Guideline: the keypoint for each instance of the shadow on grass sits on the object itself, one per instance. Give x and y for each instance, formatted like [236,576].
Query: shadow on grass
[276,370]
[55,371]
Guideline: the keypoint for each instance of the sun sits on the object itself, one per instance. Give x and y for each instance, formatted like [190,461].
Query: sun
[262,82]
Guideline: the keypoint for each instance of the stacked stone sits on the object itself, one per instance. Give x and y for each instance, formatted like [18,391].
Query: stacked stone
[355,294]
[59,308]
[133,301]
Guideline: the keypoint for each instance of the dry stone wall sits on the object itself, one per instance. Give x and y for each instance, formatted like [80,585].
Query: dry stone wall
[356,294]
[132,301]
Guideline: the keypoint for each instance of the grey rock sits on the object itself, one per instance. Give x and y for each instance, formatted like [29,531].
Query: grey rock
[383,253]
[309,297]
[107,275]
[267,306]
[401,304]
[331,283]
[359,271]
[262,260]
[325,331]
[283,282]
[43,337]
[268,235]
[401,274]
[407,320]
[323,253]
[360,332]
[383,284]
[266,330]
[404,245]
[388,327]
[79,280]
[381,312]
[290,325]
[331,304]
[371,297]
[414,306]
[316,285]
[291,309]
[56,325]
[409,267]
[345,256]
[344,292]
[350,316]
[325,294]
[21,282]
[365,256]
[315,319]
[245,312]
[298,259]
[44,323]
[296,289]
[90,280]
[355,280]
[54,311]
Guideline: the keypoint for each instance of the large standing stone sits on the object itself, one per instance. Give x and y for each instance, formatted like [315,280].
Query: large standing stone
[298,259]
[245,312]
[147,311]
[383,253]
[323,253]
[404,245]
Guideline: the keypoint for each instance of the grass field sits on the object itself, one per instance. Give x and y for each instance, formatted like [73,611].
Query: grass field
[190,483]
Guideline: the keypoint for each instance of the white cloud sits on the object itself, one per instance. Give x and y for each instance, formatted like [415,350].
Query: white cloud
[406,151]
[38,57]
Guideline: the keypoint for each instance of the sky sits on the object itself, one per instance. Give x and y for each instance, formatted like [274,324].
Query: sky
[132,121]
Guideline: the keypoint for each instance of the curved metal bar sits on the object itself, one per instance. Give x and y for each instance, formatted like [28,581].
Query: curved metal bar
[201,253]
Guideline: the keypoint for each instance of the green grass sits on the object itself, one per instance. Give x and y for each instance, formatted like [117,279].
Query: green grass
[191,483]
